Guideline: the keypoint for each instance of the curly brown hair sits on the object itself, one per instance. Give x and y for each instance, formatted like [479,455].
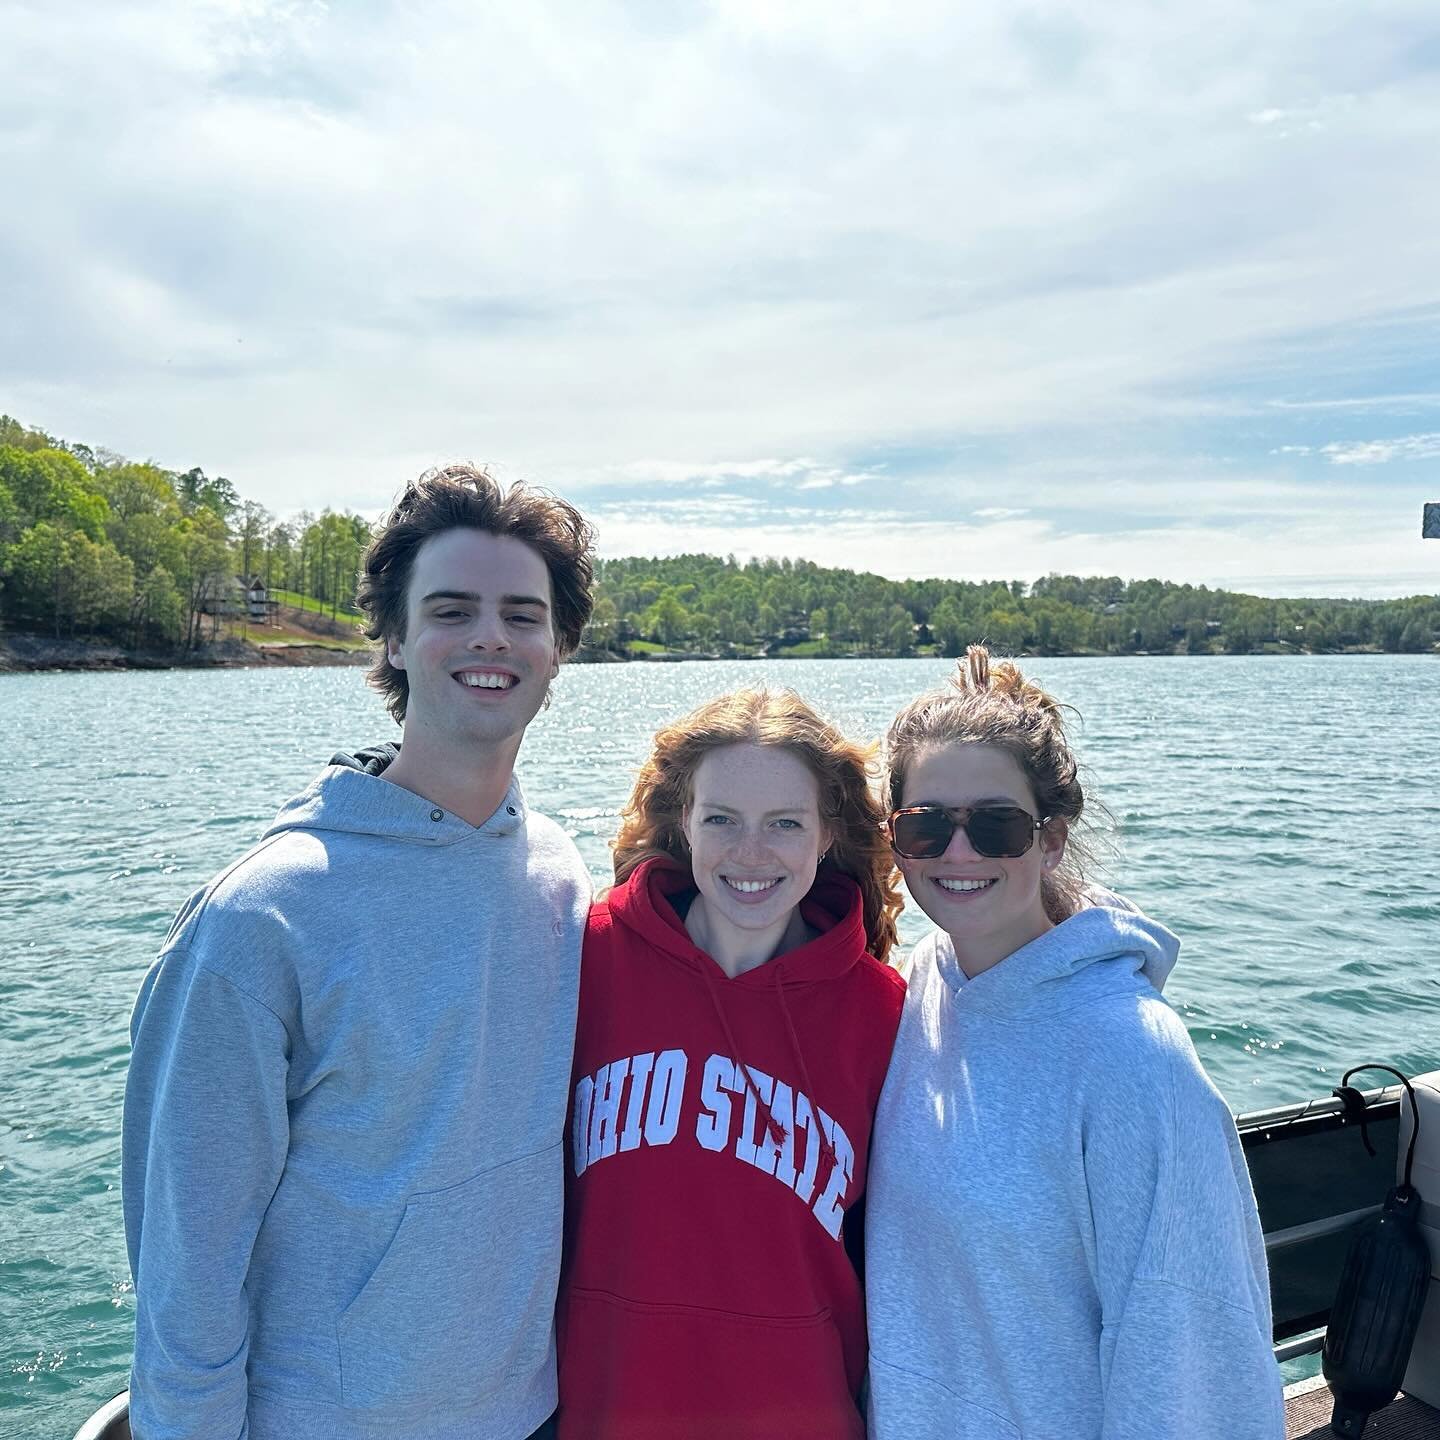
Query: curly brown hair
[464,497]
[987,702]
[652,817]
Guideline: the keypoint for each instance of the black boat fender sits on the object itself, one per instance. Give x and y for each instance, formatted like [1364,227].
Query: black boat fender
[1382,1292]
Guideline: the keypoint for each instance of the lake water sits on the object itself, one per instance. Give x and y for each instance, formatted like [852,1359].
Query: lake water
[1279,814]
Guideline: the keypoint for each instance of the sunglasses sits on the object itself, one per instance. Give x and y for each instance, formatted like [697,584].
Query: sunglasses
[998,832]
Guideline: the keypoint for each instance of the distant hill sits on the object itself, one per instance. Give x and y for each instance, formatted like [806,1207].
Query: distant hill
[795,607]
[98,549]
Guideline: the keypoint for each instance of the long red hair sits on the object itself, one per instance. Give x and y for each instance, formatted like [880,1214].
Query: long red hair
[843,770]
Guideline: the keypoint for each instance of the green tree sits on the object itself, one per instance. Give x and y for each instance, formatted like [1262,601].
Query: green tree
[1005,630]
[900,631]
[702,626]
[280,557]
[50,485]
[138,490]
[198,491]
[947,625]
[667,620]
[159,611]
[203,572]
[1414,638]
[39,564]
[604,619]
[9,516]
[252,524]
[1239,637]
[101,585]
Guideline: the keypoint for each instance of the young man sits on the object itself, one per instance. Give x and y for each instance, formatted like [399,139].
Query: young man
[346,1099]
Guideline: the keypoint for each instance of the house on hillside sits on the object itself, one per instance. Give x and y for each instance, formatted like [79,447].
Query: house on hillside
[242,598]
[261,609]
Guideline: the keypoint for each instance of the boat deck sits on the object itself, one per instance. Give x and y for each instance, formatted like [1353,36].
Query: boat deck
[1307,1416]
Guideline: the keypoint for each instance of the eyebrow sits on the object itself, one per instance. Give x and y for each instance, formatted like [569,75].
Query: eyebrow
[972,804]
[475,597]
[768,814]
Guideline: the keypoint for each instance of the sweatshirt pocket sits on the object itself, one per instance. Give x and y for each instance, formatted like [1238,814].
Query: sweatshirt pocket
[907,1406]
[636,1371]
[464,1296]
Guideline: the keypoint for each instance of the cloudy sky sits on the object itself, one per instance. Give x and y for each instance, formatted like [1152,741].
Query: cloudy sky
[976,289]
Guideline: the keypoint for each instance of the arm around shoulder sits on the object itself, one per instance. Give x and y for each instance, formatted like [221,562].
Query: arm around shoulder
[205,1137]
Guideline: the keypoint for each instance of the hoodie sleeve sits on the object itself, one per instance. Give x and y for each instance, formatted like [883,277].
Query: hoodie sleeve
[205,1136]
[1179,1260]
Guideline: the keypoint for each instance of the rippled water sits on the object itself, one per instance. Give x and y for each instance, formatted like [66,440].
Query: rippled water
[1279,814]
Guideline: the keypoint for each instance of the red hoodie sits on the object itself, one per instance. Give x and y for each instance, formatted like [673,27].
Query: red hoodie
[706,1291]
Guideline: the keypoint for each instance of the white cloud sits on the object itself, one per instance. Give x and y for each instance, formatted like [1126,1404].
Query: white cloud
[1382,452]
[799,473]
[1425,399]
[318,247]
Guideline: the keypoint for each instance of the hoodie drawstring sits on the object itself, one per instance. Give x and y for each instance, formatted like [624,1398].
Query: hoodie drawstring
[827,1147]
[773,1128]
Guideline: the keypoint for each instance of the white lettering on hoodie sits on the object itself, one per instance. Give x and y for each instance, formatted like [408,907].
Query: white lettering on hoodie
[649,1089]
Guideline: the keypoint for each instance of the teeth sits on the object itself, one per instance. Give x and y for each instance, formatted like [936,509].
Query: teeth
[484,682]
[963,887]
[751,887]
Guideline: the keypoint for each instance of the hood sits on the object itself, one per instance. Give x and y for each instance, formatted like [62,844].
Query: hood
[349,797]
[372,760]
[833,908]
[1108,947]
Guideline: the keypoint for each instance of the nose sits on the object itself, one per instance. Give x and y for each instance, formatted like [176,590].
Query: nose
[488,632]
[750,843]
[960,849]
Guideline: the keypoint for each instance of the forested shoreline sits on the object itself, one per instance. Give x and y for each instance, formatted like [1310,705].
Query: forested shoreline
[131,559]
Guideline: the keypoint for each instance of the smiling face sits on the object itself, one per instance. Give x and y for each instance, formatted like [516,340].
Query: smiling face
[755,835]
[479,650]
[989,907]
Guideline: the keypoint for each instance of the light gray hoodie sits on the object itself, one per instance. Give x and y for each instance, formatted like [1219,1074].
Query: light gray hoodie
[1062,1238]
[343,1125]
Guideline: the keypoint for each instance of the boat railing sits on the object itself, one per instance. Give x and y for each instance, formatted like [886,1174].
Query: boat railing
[1315,1181]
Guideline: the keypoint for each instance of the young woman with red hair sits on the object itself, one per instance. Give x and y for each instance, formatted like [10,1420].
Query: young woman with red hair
[736,1021]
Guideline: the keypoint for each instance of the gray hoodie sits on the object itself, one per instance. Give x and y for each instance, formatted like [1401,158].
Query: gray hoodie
[1062,1237]
[343,1124]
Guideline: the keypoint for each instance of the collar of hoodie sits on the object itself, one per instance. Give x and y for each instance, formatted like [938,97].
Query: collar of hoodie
[350,795]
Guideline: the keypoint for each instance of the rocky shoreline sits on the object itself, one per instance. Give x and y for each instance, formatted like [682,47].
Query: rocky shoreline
[23,653]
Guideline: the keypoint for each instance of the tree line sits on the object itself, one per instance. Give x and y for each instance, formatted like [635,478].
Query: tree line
[797,607]
[97,546]
[94,545]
